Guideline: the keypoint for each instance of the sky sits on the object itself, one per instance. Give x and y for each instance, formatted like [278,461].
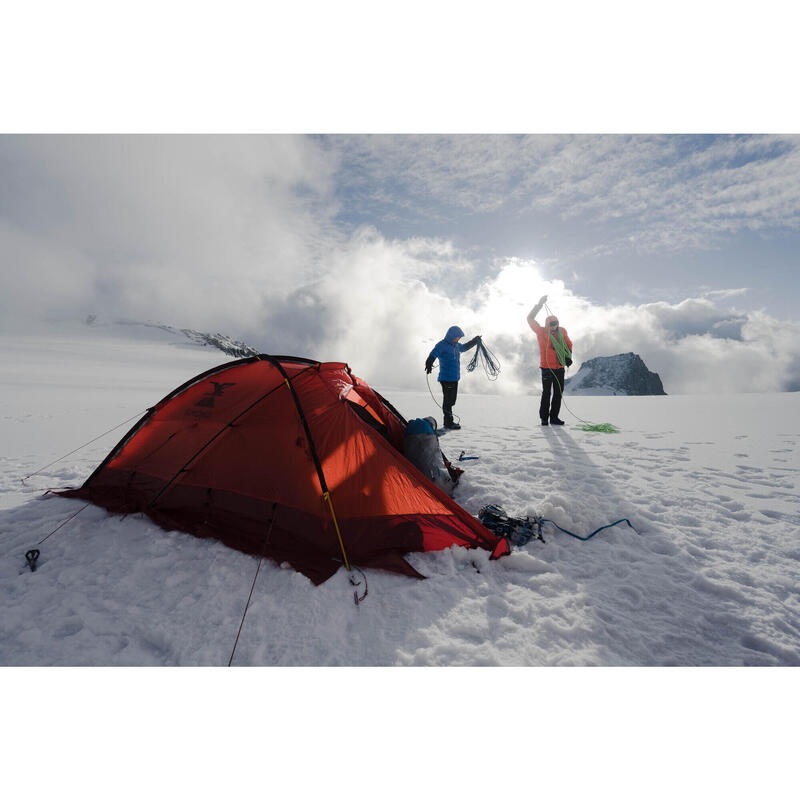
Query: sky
[366,248]
[314,190]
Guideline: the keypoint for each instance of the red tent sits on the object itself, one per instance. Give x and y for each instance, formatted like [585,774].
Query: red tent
[286,457]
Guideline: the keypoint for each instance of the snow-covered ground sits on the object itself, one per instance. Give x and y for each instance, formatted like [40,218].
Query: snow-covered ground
[708,578]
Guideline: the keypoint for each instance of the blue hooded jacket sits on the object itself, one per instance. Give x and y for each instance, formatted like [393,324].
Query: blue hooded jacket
[449,354]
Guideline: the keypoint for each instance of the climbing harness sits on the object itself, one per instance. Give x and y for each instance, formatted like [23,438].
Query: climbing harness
[520,531]
[563,352]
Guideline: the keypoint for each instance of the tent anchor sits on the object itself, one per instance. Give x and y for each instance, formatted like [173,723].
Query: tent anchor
[355,582]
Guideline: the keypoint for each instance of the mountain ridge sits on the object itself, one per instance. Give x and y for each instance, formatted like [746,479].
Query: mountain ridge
[226,344]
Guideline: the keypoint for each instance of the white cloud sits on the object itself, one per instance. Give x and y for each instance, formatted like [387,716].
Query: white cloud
[191,230]
[659,192]
[238,234]
[686,343]
[371,308]
[724,294]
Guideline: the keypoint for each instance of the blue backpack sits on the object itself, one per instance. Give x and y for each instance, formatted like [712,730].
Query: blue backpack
[421,448]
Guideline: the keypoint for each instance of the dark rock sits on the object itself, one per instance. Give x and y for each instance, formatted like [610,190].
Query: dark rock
[624,374]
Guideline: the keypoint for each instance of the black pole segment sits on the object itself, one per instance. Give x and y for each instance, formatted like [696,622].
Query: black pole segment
[314,455]
[391,408]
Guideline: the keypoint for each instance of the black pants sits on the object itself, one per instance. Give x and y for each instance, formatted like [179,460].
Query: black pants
[552,381]
[449,395]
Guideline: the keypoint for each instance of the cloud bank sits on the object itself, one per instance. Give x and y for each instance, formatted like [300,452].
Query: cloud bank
[379,305]
[186,228]
[242,235]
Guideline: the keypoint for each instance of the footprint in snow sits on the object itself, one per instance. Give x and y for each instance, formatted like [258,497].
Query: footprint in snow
[632,596]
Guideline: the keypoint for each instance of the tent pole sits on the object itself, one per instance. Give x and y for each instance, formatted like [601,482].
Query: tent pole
[327,496]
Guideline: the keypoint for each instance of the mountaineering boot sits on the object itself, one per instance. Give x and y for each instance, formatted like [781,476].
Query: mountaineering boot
[544,421]
[556,421]
[452,426]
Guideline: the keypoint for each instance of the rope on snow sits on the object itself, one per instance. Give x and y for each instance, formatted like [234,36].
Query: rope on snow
[255,578]
[71,517]
[41,469]
[586,538]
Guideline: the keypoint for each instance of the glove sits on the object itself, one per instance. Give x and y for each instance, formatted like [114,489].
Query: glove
[428,368]
[568,361]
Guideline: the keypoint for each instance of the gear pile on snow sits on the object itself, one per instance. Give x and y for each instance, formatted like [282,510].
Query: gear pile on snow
[518,531]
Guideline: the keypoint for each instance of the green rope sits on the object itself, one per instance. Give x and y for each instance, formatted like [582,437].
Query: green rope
[603,427]
[562,351]
[589,427]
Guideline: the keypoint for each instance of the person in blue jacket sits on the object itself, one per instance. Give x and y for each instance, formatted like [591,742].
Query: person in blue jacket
[449,351]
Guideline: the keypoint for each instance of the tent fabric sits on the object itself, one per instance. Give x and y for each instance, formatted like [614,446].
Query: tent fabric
[256,453]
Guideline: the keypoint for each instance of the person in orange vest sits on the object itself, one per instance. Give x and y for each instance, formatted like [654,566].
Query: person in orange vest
[555,351]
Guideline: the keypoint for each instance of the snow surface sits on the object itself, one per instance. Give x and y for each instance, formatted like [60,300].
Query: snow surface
[708,578]
[710,483]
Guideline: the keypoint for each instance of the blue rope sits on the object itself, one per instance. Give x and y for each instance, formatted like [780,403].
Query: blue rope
[584,538]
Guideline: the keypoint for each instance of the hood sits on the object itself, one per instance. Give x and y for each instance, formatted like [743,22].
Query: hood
[549,320]
[453,333]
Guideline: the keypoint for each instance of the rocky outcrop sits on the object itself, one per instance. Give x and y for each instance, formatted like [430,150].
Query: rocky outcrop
[230,347]
[623,374]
